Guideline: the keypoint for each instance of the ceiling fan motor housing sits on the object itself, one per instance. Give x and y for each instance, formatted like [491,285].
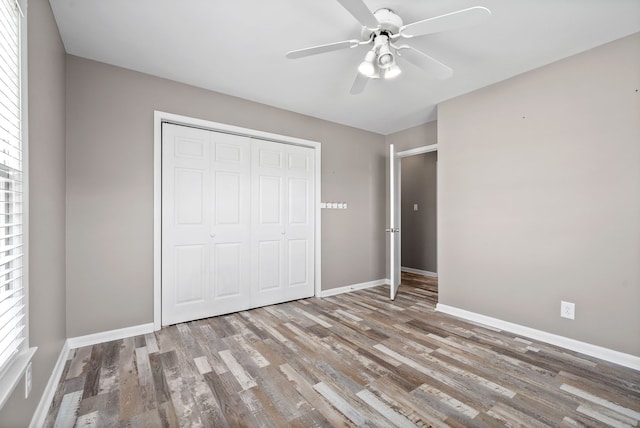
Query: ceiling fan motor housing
[389,23]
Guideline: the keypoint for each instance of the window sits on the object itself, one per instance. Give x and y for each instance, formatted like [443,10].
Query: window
[14,354]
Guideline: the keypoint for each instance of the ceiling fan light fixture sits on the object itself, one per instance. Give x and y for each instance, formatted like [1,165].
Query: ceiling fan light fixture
[385,57]
[383,29]
[393,71]
[367,67]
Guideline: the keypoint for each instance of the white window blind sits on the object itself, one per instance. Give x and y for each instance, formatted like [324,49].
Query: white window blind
[12,294]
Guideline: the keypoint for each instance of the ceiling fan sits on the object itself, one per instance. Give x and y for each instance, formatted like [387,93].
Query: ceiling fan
[383,29]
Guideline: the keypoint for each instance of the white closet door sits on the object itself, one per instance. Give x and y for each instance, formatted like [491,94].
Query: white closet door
[205,223]
[282,222]
[300,222]
[230,223]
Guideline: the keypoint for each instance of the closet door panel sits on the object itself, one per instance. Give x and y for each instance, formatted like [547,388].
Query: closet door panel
[300,225]
[298,200]
[269,264]
[226,267]
[270,201]
[290,275]
[190,274]
[185,223]
[228,189]
[298,262]
[229,231]
[189,196]
[205,223]
[268,222]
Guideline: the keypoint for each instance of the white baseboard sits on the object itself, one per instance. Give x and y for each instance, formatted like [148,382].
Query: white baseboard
[419,272]
[40,414]
[353,287]
[107,336]
[606,354]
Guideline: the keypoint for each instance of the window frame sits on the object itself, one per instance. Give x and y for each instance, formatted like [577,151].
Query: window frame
[11,376]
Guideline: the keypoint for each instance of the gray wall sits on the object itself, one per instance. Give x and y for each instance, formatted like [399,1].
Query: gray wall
[539,198]
[110,188]
[46,80]
[418,228]
[418,136]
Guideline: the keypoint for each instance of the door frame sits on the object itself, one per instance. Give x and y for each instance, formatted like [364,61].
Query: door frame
[417,151]
[398,199]
[158,118]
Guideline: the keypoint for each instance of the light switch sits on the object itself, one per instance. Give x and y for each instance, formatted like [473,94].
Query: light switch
[415,207]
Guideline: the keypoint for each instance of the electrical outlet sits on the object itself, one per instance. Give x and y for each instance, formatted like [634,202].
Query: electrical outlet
[27,381]
[567,310]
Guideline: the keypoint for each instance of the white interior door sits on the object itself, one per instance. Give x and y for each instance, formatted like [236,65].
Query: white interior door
[282,222]
[205,223]
[394,220]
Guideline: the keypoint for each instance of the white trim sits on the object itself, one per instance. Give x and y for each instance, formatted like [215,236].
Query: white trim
[13,373]
[606,354]
[230,129]
[354,287]
[395,214]
[158,118]
[417,151]
[419,272]
[107,336]
[318,235]
[26,192]
[39,416]
[157,220]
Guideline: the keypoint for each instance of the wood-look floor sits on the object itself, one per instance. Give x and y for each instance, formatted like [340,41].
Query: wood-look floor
[355,359]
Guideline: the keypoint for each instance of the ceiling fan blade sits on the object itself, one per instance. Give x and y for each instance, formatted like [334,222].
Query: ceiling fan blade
[425,62]
[449,21]
[322,49]
[359,84]
[361,12]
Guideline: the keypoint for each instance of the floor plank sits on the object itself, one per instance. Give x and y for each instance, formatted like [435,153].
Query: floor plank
[356,359]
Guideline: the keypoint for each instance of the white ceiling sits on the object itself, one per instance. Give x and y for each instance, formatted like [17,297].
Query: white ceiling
[238,48]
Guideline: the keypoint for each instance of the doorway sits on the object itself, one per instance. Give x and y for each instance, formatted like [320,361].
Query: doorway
[418,213]
[395,215]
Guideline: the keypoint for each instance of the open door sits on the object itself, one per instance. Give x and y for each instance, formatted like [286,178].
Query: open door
[394,219]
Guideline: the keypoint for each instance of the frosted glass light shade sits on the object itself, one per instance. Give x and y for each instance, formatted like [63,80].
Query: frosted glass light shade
[393,71]
[367,67]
